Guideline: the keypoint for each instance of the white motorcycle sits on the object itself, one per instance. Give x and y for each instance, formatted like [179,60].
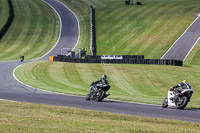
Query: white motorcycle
[180,100]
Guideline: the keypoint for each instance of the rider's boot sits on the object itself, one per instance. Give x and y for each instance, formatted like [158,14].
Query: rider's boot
[107,95]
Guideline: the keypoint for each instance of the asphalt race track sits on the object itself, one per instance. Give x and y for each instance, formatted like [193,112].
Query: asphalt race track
[69,35]
[11,89]
[182,47]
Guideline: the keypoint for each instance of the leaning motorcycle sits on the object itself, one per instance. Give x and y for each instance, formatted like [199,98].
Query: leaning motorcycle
[99,93]
[180,101]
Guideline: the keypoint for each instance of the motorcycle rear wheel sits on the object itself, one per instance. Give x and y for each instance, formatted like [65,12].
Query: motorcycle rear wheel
[100,96]
[182,103]
[165,103]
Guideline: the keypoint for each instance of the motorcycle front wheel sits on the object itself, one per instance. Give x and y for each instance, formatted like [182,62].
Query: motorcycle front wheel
[181,104]
[88,97]
[100,96]
[165,103]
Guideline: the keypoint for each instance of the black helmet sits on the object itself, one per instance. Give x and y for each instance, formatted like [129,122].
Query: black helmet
[104,76]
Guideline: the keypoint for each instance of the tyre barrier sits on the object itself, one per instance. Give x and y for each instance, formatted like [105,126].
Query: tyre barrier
[124,57]
[9,21]
[127,59]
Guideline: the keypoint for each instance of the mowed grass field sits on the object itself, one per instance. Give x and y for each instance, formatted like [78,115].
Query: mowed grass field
[34,118]
[34,30]
[4,12]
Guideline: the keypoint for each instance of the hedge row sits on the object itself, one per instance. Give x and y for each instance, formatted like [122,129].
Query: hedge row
[9,21]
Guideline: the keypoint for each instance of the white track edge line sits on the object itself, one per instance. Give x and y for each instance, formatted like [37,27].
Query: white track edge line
[191,48]
[69,94]
[59,32]
[180,37]
[77,22]
[73,49]
[51,49]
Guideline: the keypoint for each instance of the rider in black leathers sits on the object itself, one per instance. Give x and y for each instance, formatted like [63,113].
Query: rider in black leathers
[102,82]
[184,85]
[22,58]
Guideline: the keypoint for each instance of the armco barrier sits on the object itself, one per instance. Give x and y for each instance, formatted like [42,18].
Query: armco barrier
[130,60]
[9,21]
[92,31]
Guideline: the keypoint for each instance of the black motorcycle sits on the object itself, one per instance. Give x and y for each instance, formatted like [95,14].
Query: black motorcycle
[180,101]
[22,58]
[99,92]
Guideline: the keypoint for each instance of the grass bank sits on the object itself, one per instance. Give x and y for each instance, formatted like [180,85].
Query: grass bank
[137,83]
[149,29]
[26,117]
[33,33]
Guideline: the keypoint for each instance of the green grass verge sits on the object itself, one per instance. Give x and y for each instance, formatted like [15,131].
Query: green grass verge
[4,12]
[31,118]
[33,33]
[137,83]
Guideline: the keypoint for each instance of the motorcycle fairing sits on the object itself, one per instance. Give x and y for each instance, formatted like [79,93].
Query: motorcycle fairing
[170,96]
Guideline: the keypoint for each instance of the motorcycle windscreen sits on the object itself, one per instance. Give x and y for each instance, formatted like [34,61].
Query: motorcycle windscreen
[170,96]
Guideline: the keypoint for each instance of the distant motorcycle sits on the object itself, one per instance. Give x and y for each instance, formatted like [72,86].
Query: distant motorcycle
[180,101]
[22,58]
[99,93]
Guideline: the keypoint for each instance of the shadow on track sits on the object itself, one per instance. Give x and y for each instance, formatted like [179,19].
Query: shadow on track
[193,109]
[105,101]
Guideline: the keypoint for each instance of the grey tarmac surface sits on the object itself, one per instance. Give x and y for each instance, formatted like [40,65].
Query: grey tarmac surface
[181,48]
[10,89]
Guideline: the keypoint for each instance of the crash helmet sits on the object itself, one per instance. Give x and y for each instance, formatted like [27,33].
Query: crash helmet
[185,80]
[104,76]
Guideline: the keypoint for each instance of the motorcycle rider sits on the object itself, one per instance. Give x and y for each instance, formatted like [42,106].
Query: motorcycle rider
[102,82]
[22,58]
[184,85]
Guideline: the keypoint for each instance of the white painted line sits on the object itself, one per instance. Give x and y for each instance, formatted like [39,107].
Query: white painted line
[191,49]
[77,22]
[180,37]
[50,51]
[60,29]
[59,32]
[72,95]
[9,61]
